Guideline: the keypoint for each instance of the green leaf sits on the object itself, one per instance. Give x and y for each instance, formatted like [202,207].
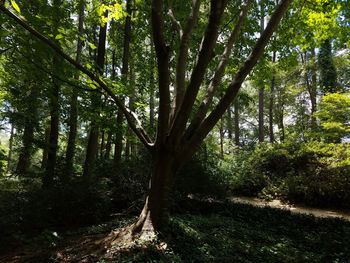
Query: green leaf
[59,36]
[88,66]
[15,6]
[92,46]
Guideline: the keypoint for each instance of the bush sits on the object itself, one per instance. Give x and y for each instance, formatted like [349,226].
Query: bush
[202,176]
[314,173]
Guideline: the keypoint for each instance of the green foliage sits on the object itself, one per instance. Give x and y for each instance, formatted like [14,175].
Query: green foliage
[202,176]
[334,115]
[314,173]
[26,209]
[328,72]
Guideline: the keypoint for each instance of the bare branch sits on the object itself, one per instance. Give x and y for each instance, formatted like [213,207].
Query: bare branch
[232,90]
[176,23]
[204,57]
[219,73]
[138,130]
[162,51]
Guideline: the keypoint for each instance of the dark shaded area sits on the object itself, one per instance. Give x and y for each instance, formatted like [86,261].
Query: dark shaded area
[217,232]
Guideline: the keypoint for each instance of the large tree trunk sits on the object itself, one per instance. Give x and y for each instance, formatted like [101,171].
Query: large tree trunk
[26,150]
[28,133]
[154,215]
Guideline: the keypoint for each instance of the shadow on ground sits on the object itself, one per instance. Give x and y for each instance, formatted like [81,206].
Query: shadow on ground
[204,231]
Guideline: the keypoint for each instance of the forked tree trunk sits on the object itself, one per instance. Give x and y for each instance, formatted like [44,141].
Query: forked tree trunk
[154,215]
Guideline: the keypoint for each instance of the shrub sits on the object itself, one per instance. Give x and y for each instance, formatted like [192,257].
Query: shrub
[202,176]
[314,173]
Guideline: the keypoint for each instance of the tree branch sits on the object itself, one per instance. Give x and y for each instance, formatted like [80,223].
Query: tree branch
[176,23]
[183,53]
[162,52]
[219,73]
[204,57]
[232,90]
[68,82]
[137,129]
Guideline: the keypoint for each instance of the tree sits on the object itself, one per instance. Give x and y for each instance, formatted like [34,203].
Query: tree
[334,115]
[178,136]
[73,114]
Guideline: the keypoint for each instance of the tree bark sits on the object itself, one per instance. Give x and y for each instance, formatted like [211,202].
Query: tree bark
[30,121]
[73,115]
[313,89]
[261,88]
[221,133]
[108,145]
[271,102]
[9,156]
[236,123]
[92,146]
[26,150]
[54,127]
[25,154]
[154,215]
[46,147]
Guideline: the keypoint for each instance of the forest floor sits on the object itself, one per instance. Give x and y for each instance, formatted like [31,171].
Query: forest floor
[202,231]
[293,208]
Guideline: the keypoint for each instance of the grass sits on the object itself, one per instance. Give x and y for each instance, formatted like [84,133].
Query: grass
[226,232]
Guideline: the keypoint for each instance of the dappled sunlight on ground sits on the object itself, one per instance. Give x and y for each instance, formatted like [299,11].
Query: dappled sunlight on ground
[297,209]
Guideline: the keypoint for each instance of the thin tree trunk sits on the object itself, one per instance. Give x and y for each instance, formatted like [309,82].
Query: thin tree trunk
[54,127]
[313,89]
[108,145]
[261,88]
[236,122]
[73,115]
[152,95]
[54,104]
[280,118]
[102,145]
[46,148]
[229,124]
[9,157]
[221,131]
[124,72]
[92,146]
[271,102]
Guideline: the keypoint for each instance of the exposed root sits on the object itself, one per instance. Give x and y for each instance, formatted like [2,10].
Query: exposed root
[118,243]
